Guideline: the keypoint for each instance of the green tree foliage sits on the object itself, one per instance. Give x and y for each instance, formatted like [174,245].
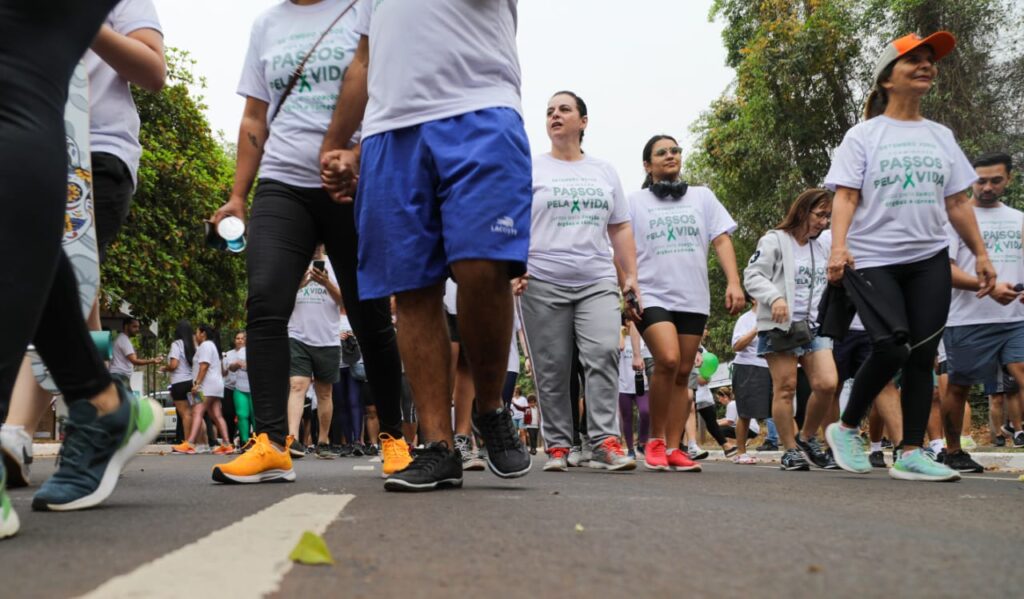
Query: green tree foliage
[160,264]
[802,73]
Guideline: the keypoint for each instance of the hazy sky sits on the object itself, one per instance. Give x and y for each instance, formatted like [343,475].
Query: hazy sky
[643,67]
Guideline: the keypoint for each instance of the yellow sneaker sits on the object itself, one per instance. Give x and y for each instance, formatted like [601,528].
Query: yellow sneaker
[184,447]
[261,462]
[224,450]
[395,453]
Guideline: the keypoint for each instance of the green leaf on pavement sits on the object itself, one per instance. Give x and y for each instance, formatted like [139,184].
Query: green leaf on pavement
[311,550]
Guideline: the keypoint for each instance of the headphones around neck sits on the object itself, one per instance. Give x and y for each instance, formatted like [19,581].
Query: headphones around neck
[664,189]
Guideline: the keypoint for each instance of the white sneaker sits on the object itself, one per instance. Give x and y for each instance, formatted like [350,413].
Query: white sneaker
[16,447]
[575,456]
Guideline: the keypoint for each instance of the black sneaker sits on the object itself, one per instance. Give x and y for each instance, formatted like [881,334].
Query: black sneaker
[793,459]
[1008,430]
[941,456]
[961,462]
[297,449]
[1018,439]
[435,466]
[323,452]
[371,450]
[877,459]
[357,451]
[1000,441]
[886,443]
[831,464]
[768,446]
[507,457]
[812,451]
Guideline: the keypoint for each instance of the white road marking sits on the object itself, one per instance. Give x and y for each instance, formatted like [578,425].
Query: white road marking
[371,468]
[246,559]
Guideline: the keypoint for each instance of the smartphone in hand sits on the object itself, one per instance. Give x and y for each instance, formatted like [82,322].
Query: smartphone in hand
[320,265]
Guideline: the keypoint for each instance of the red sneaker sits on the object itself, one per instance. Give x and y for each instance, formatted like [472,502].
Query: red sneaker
[680,462]
[654,455]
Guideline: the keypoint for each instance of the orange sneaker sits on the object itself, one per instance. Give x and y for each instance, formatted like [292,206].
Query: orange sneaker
[678,461]
[224,450]
[395,453]
[261,462]
[184,447]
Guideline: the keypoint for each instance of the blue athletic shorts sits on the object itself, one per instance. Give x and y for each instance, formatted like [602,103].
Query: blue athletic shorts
[975,352]
[454,189]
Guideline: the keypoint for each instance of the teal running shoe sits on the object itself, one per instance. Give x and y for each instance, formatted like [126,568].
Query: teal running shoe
[8,517]
[95,450]
[917,465]
[847,449]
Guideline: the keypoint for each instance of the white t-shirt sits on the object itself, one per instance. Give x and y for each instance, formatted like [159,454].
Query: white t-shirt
[1001,230]
[513,352]
[807,258]
[573,204]
[703,396]
[213,381]
[438,59]
[519,406]
[316,318]
[748,356]
[672,239]
[242,375]
[534,418]
[113,118]
[904,171]
[229,358]
[451,292]
[731,413]
[281,36]
[119,364]
[627,376]
[183,373]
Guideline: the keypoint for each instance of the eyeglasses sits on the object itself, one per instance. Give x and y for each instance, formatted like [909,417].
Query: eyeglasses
[674,150]
[822,215]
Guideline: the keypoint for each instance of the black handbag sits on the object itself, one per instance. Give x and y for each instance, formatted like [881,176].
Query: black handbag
[800,331]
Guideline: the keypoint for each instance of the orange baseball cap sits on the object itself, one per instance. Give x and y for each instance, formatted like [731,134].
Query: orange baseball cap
[941,42]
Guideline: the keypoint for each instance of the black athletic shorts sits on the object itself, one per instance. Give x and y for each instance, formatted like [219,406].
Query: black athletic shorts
[851,353]
[113,189]
[687,323]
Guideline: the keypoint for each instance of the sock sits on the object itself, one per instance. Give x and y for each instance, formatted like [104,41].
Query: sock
[669,451]
[937,445]
[876,446]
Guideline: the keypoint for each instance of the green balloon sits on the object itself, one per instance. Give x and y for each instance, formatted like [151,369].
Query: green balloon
[709,366]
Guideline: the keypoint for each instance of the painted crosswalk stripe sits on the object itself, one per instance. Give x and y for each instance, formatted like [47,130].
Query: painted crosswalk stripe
[267,537]
[362,467]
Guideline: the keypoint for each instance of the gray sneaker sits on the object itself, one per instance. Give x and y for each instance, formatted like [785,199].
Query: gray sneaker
[470,460]
[16,450]
[609,456]
[575,456]
[557,461]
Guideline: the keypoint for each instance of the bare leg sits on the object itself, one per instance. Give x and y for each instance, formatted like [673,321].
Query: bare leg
[783,369]
[688,345]
[184,414]
[996,415]
[423,342]
[28,400]
[742,429]
[485,326]
[690,429]
[217,414]
[463,392]
[953,414]
[661,339]
[372,424]
[197,420]
[821,373]
[325,411]
[296,399]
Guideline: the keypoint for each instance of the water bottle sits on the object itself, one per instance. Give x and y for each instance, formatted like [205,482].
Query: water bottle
[639,381]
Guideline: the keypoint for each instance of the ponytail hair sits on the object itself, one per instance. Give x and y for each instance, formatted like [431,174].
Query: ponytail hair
[878,97]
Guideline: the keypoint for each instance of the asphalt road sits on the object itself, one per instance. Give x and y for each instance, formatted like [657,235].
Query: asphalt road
[729,531]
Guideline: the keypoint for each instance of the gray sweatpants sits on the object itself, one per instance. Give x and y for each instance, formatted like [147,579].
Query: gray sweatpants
[554,316]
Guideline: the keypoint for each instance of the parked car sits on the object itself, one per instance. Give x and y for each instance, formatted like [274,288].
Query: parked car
[170,429]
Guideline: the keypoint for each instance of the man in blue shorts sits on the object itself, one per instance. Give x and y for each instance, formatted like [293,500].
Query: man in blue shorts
[444,186]
[982,334]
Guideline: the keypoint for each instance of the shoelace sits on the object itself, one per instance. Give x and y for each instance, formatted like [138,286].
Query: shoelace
[612,446]
[499,429]
[392,449]
[76,447]
[427,459]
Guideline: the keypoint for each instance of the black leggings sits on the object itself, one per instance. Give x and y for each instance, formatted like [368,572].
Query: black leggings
[286,224]
[919,293]
[40,44]
[710,417]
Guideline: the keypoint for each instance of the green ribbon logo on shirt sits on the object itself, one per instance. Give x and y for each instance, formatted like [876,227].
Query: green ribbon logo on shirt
[671,234]
[909,180]
[304,84]
[575,206]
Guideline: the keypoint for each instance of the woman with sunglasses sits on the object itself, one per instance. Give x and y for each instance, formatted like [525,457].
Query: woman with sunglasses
[674,226]
[786,276]
[898,179]
[578,208]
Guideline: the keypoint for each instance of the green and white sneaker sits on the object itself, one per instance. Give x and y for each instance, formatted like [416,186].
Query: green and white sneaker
[847,449]
[8,517]
[917,465]
[95,450]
